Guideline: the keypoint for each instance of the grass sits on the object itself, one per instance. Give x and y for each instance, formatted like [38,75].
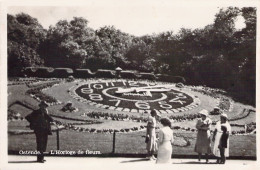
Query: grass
[125,142]
[113,125]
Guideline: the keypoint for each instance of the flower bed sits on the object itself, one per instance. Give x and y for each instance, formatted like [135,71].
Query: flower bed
[36,93]
[212,92]
[13,115]
[242,115]
[122,117]
[71,126]
[20,81]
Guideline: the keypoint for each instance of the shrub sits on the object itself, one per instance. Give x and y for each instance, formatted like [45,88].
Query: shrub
[104,73]
[45,72]
[62,72]
[169,78]
[148,76]
[30,71]
[128,75]
[83,73]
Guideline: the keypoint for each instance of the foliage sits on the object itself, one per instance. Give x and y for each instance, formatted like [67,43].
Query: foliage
[218,55]
[25,35]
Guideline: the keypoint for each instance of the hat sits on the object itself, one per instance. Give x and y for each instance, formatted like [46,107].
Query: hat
[154,112]
[43,103]
[165,121]
[204,112]
[224,115]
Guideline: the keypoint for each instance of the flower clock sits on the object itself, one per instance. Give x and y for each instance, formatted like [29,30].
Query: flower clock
[135,96]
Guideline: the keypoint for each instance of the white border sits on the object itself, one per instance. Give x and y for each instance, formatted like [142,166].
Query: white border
[97,164]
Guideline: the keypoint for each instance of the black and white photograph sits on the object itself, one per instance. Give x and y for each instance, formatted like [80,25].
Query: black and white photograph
[122,83]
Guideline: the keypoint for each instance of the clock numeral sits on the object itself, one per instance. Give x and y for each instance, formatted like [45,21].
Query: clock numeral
[164,105]
[142,105]
[98,86]
[86,90]
[117,101]
[95,97]
[133,83]
[107,84]
[124,83]
[176,100]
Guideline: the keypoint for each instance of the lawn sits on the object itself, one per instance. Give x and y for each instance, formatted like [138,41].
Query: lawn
[133,142]
[126,143]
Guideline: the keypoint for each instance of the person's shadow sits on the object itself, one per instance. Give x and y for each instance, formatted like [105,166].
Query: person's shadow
[21,162]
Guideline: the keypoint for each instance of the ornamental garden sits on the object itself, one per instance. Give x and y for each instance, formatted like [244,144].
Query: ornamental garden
[89,108]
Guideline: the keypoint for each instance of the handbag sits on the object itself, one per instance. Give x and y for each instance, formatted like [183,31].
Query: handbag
[147,138]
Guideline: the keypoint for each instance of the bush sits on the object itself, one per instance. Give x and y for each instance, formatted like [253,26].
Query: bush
[128,75]
[44,72]
[148,76]
[104,73]
[169,78]
[62,72]
[83,73]
[30,71]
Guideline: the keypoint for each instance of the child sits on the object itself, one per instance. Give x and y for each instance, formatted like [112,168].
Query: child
[223,143]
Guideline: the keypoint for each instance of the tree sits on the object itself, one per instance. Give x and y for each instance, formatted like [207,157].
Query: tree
[25,35]
[69,44]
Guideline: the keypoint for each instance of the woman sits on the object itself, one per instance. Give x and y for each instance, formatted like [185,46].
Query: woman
[151,144]
[217,137]
[202,145]
[165,142]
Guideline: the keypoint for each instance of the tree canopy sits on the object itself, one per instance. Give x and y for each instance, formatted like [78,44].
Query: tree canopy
[218,55]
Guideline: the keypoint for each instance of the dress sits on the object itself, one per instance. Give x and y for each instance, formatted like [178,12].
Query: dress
[218,135]
[202,145]
[165,148]
[151,145]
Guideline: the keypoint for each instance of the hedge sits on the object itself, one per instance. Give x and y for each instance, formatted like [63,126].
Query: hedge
[169,78]
[147,76]
[104,73]
[30,71]
[45,72]
[128,75]
[62,72]
[83,73]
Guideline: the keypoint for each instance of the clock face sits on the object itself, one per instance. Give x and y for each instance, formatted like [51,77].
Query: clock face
[133,96]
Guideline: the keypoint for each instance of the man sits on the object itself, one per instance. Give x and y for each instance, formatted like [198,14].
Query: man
[40,123]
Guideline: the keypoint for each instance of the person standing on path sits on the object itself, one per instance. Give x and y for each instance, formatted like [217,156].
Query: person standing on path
[203,125]
[165,142]
[217,138]
[151,144]
[40,123]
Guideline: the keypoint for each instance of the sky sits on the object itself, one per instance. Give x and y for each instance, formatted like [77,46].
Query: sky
[137,18]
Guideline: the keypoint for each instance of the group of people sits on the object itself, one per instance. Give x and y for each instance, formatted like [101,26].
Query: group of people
[40,122]
[163,144]
[220,137]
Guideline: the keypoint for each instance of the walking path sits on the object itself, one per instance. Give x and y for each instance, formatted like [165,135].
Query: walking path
[28,162]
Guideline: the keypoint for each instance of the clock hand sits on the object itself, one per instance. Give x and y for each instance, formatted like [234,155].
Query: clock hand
[144,89]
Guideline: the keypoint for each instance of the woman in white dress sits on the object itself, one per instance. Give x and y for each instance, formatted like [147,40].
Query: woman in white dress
[165,142]
[217,137]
